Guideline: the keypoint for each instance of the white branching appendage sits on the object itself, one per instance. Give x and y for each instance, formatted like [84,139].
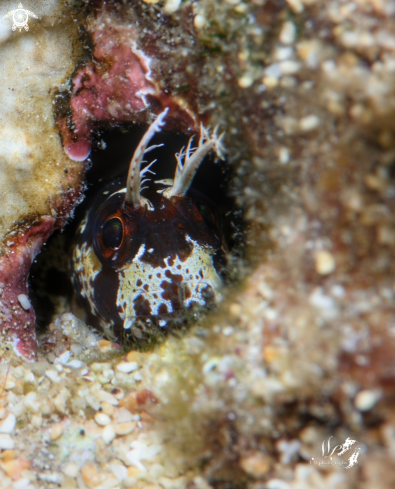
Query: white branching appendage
[134,182]
[189,159]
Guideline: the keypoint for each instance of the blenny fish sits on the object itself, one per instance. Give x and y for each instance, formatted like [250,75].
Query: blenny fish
[138,262]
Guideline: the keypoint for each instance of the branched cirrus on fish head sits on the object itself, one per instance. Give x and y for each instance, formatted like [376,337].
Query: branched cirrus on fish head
[143,260]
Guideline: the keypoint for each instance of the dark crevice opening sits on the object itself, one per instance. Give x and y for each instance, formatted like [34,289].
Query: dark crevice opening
[50,287]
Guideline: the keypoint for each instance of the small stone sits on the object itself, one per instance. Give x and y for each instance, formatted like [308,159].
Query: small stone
[122,429]
[171,6]
[278,484]
[119,470]
[296,6]
[324,262]
[90,475]
[256,465]
[14,468]
[24,301]
[71,470]
[283,155]
[289,67]
[60,400]
[246,81]
[123,415]
[63,358]
[270,81]
[288,33]
[6,442]
[102,419]
[29,378]
[93,402]
[309,123]
[9,385]
[53,375]
[235,309]
[56,432]
[22,483]
[107,408]
[31,403]
[74,364]
[199,21]
[366,400]
[8,425]
[118,393]
[106,397]
[36,420]
[104,345]
[127,367]
[133,356]
[108,434]
[7,455]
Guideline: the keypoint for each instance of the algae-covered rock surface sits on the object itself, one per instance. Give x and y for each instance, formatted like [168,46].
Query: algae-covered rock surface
[290,382]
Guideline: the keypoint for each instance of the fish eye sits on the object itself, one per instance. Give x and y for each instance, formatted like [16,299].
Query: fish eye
[112,233]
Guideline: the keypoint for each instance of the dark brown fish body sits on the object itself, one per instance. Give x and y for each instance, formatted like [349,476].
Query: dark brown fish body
[147,262]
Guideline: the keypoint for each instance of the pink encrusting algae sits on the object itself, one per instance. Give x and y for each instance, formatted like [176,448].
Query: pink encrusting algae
[114,88]
[17,322]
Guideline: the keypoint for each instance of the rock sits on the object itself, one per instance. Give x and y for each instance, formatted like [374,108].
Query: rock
[6,442]
[8,424]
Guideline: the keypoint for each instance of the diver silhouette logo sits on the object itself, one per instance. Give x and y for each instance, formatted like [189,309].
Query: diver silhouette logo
[328,452]
[20,16]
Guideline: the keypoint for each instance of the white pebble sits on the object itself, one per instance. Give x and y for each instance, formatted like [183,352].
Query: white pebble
[57,432]
[8,425]
[171,6]
[246,81]
[63,358]
[75,364]
[122,429]
[6,442]
[31,403]
[138,377]
[127,367]
[283,155]
[324,262]
[288,33]
[53,375]
[108,434]
[119,470]
[102,419]
[289,67]
[296,6]
[22,483]
[29,378]
[309,123]
[24,301]
[107,397]
[199,21]
[71,470]
[9,385]
[365,400]
[282,53]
